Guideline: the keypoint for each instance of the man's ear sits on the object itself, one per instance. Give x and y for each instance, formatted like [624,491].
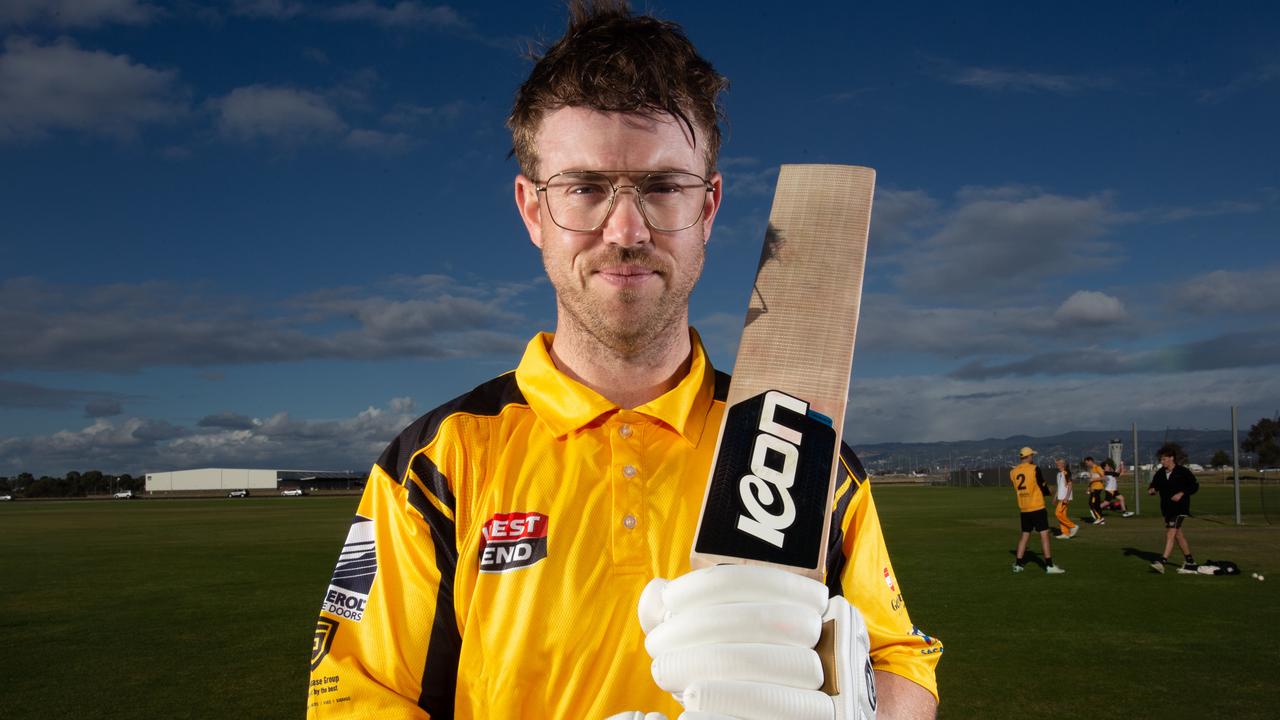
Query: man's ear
[530,207]
[713,204]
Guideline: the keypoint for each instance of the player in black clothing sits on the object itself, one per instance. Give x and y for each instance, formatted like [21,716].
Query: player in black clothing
[1176,484]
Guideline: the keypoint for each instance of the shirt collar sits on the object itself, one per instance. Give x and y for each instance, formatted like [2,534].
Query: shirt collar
[566,405]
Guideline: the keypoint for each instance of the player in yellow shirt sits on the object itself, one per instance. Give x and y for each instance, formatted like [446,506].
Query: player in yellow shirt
[1029,485]
[497,558]
[1097,484]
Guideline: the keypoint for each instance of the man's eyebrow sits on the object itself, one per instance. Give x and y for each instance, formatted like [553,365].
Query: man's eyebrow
[635,171]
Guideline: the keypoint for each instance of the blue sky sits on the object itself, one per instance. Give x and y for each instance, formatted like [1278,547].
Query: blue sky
[271,233]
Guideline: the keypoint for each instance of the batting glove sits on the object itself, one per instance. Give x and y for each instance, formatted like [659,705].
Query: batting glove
[638,715]
[739,641]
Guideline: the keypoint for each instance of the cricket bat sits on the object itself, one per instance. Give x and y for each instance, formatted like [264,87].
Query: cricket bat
[768,498]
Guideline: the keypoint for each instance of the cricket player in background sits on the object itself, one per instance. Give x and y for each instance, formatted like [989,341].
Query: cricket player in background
[1097,484]
[1111,495]
[1066,527]
[498,554]
[1175,483]
[1028,483]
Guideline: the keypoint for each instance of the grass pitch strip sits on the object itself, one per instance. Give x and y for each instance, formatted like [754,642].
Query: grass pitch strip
[205,608]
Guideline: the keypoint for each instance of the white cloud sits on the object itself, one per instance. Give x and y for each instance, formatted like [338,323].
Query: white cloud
[740,180]
[888,324]
[1255,348]
[997,79]
[400,14]
[124,328]
[361,139]
[1225,291]
[1257,77]
[410,115]
[283,114]
[276,9]
[139,445]
[990,239]
[897,214]
[931,408]
[1089,307]
[60,86]
[75,13]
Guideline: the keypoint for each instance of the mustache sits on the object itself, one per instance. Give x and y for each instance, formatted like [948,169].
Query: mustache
[614,255]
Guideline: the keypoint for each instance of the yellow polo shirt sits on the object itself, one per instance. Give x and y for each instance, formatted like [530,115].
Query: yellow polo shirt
[493,566]
[1097,477]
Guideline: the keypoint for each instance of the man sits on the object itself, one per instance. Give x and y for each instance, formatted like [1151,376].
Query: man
[1066,528]
[1097,483]
[1028,483]
[503,541]
[1111,495]
[1176,484]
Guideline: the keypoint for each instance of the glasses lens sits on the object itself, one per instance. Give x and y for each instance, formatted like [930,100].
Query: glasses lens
[579,201]
[672,201]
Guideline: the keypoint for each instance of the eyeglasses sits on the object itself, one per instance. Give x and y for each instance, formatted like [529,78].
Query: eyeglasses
[581,201]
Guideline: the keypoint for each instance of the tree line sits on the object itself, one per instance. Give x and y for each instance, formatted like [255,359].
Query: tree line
[73,484]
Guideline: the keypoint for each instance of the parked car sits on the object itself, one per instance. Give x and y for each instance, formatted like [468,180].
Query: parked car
[296,492]
[5,498]
[238,493]
[124,495]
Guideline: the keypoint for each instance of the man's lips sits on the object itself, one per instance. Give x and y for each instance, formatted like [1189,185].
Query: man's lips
[625,275]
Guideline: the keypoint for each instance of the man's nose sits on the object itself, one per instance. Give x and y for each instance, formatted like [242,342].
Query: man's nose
[626,224]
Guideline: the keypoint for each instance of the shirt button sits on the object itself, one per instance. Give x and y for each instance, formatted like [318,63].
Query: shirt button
[629,521]
[629,470]
[625,431]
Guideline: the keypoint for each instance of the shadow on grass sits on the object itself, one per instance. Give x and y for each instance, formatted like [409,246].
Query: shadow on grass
[1031,558]
[1146,556]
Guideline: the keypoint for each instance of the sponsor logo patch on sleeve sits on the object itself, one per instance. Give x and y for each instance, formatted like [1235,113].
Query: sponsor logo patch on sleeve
[326,629]
[511,541]
[353,576]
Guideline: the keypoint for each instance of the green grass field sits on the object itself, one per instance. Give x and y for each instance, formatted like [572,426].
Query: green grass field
[205,608]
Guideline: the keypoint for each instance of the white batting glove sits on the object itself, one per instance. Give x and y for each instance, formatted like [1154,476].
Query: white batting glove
[638,715]
[739,641]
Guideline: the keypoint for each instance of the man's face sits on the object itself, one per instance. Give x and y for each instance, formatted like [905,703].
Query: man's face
[1167,461]
[623,283]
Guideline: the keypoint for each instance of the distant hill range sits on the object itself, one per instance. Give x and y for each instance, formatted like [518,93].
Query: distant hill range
[884,458]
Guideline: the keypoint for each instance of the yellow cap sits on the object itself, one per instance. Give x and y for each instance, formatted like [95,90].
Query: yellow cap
[1028,452]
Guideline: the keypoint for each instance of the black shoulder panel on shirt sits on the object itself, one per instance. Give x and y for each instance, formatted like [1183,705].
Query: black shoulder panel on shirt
[487,399]
[440,670]
[836,559]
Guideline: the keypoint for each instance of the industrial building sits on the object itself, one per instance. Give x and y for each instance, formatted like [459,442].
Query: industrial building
[217,480]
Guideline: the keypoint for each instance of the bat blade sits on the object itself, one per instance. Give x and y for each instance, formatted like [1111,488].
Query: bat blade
[768,499]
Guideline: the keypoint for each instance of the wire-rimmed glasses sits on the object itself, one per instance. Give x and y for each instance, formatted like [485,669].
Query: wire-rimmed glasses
[669,200]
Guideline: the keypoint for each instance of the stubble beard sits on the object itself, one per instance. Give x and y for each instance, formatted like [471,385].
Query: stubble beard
[629,323]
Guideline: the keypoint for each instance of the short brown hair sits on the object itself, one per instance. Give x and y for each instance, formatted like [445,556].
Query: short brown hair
[613,61]
[1173,450]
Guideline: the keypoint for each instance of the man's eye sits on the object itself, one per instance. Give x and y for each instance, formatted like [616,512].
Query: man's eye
[662,188]
[587,190]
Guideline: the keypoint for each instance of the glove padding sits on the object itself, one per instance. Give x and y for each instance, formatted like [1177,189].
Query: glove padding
[739,640]
[637,715]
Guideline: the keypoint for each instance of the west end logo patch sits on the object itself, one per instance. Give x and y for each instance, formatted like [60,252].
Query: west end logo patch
[353,576]
[511,541]
[326,629]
